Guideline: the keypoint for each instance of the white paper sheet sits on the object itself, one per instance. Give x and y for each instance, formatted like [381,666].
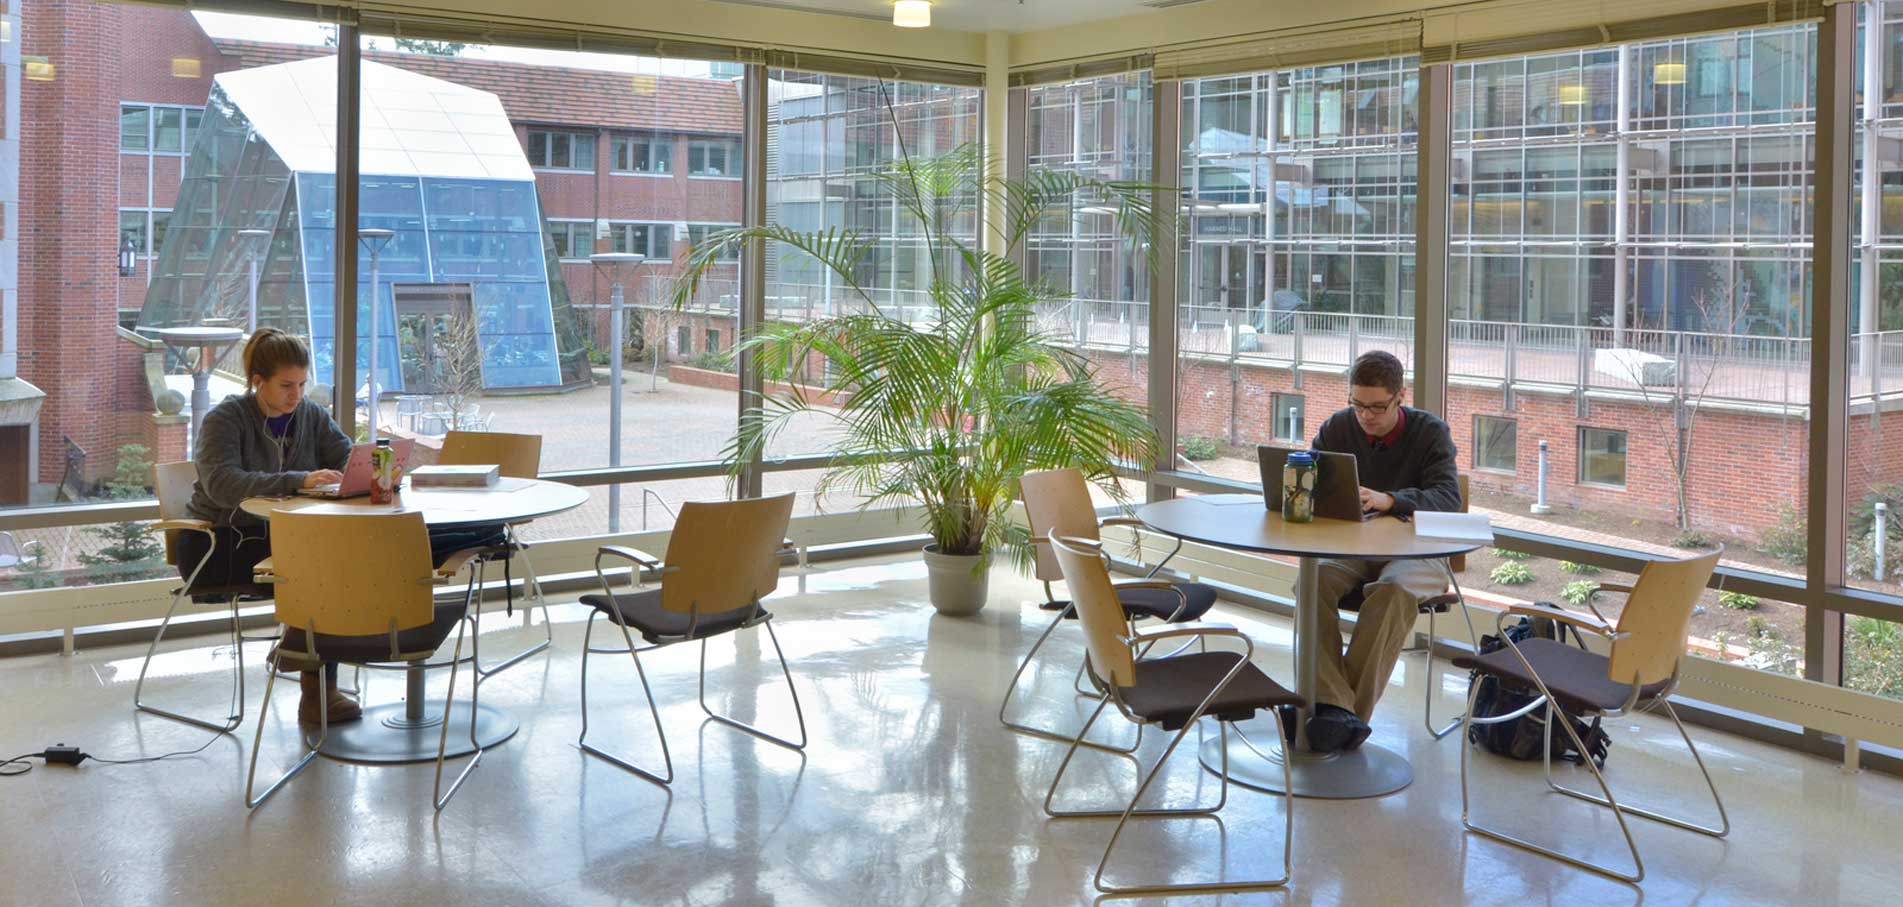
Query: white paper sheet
[1463,527]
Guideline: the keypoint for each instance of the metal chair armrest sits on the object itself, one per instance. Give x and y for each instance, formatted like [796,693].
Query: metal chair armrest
[1620,588]
[647,561]
[1197,628]
[1120,521]
[1574,619]
[1164,585]
[204,526]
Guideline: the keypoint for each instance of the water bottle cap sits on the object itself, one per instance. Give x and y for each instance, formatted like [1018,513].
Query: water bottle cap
[383,442]
[1302,458]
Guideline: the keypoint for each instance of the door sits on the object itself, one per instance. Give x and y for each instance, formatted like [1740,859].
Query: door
[437,338]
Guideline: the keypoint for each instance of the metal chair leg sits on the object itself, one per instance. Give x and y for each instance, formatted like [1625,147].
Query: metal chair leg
[1638,865]
[582,741]
[798,715]
[548,626]
[1427,713]
[236,712]
[1076,742]
[442,798]
[1005,706]
[1723,827]
[264,709]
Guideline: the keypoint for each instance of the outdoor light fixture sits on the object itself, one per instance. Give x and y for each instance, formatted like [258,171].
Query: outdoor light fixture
[1668,74]
[912,13]
[128,257]
[1572,95]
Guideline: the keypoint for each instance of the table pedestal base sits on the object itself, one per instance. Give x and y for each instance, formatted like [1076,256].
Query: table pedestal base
[386,735]
[1368,771]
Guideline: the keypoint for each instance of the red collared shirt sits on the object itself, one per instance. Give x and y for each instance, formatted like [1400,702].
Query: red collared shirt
[1393,437]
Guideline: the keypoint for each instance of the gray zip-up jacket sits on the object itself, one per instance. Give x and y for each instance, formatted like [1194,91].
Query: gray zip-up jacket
[237,457]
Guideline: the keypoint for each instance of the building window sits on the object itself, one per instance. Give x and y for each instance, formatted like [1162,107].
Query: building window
[561,150]
[713,340]
[643,154]
[574,239]
[1496,443]
[146,229]
[684,341]
[696,233]
[713,157]
[135,124]
[1601,457]
[650,240]
[1288,416]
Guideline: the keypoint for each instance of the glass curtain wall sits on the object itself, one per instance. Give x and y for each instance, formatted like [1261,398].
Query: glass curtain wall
[134,183]
[1628,309]
[1300,190]
[831,139]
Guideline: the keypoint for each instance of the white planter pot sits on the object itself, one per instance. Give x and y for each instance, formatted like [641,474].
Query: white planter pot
[958,582]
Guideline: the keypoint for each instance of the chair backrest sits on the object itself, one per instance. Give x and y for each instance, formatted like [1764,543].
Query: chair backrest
[353,574]
[1057,500]
[515,456]
[1657,617]
[725,554]
[173,482]
[1088,580]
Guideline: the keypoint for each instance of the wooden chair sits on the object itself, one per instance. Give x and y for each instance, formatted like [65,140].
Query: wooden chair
[1648,647]
[518,457]
[1173,691]
[722,559]
[1434,607]
[174,482]
[1058,500]
[362,590]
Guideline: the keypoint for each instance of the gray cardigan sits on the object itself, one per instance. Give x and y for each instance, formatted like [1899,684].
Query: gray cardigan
[237,458]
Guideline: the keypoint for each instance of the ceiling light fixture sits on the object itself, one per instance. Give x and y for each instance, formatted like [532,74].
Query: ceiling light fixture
[912,13]
[1668,73]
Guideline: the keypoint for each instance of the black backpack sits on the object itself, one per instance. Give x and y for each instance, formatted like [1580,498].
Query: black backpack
[1524,737]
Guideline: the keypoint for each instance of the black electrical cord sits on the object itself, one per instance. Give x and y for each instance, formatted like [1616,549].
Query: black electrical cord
[7,769]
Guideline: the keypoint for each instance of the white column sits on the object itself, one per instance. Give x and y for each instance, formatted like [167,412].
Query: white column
[10,200]
[1872,189]
[997,117]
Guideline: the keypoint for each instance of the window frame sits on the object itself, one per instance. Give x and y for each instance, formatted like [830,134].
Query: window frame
[567,229]
[1276,399]
[1513,425]
[576,139]
[731,152]
[1625,467]
[655,141]
[706,227]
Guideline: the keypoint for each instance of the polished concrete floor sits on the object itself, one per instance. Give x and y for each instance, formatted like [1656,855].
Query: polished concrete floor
[910,793]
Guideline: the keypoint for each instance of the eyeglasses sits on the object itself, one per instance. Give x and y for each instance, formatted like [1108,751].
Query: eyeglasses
[1378,409]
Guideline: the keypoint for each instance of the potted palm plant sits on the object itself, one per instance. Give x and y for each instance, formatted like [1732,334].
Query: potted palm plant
[943,399]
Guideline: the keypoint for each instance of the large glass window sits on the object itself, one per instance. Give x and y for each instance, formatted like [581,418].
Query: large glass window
[1628,298]
[1300,247]
[1873,460]
[646,153]
[556,150]
[713,157]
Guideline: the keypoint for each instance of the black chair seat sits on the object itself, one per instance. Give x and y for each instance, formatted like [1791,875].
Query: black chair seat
[1161,603]
[1168,690]
[220,593]
[1576,677]
[644,614]
[375,648]
[1437,604]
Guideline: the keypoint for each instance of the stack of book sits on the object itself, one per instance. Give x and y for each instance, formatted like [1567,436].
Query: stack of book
[481,476]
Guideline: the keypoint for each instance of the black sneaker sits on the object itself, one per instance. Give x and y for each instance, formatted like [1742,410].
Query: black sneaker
[1358,732]
[1331,728]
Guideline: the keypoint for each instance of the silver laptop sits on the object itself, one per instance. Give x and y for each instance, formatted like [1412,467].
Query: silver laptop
[1337,482]
[356,480]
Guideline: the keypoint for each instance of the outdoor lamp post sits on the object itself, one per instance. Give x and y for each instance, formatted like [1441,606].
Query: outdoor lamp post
[254,243]
[128,257]
[374,239]
[210,343]
[615,266]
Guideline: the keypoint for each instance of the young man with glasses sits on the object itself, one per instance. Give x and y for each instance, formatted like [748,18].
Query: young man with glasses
[1407,462]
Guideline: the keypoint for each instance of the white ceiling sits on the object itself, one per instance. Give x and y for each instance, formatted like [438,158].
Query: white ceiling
[981,15]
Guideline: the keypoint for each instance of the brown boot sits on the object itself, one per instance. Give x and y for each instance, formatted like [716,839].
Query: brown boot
[342,708]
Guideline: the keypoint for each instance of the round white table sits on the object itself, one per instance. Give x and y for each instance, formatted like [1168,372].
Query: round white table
[1243,522]
[408,731]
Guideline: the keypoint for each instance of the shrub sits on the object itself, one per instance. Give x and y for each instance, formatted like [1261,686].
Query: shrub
[1578,591]
[712,361]
[1738,601]
[1863,514]
[1860,557]
[1197,447]
[1692,539]
[1577,569]
[1509,555]
[1873,655]
[1511,573]
[1788,539]
[597,356]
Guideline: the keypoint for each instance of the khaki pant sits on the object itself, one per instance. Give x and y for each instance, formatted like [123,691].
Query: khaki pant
[1393,593]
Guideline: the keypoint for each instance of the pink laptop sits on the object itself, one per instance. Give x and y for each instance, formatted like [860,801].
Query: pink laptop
[356,480]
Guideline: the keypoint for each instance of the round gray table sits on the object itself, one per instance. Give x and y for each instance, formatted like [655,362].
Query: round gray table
[1243,522]
[408,731]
